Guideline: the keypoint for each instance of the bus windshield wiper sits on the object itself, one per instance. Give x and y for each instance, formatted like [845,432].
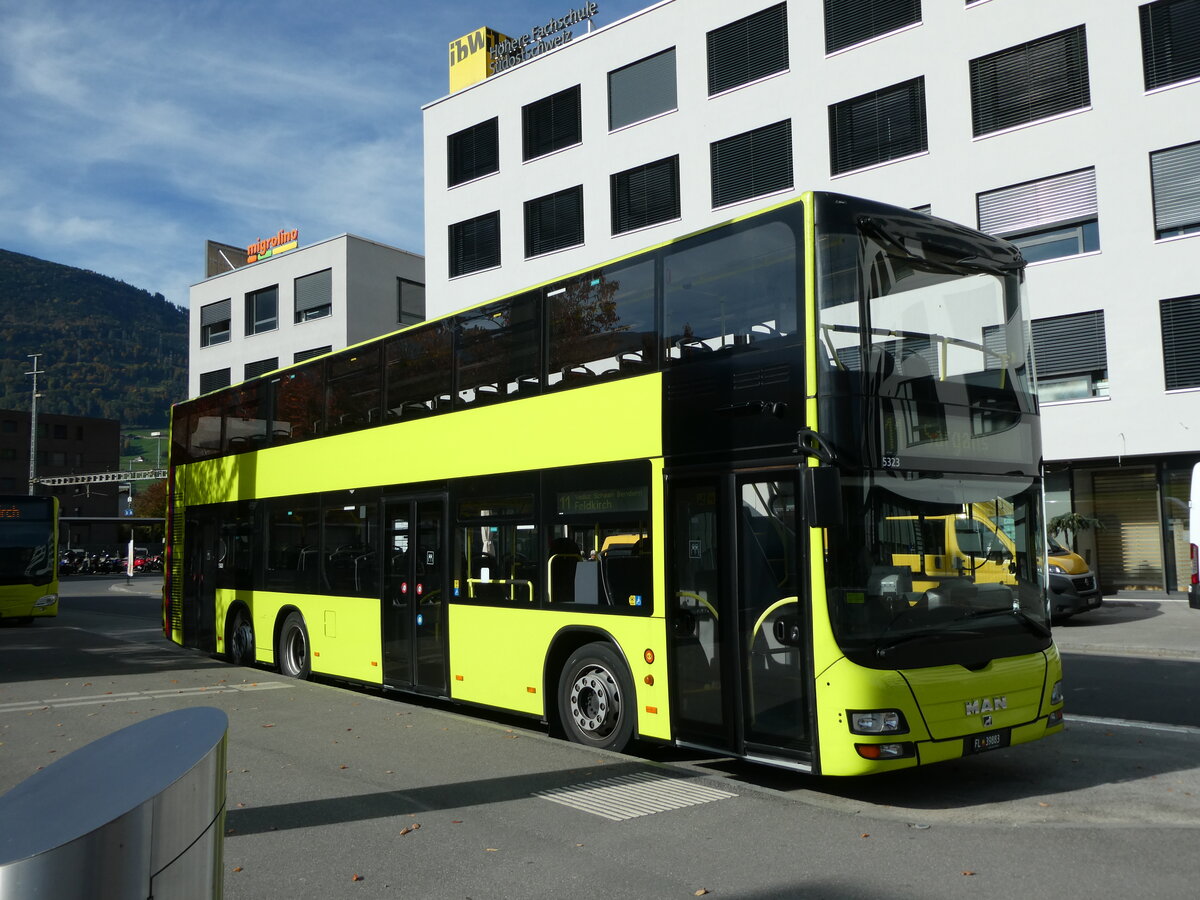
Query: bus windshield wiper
[1021,616]
[883,649]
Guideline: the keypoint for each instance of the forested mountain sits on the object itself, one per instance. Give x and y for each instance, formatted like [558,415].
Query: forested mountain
[108,349]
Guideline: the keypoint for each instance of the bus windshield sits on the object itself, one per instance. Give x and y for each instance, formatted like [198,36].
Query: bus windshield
[930,319]
[937,570]
[26,541]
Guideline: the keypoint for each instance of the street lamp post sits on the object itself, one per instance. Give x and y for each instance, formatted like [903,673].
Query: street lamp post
[158,436]
[33,423]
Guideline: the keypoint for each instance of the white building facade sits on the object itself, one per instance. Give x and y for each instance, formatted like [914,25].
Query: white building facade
[294,306]
[1071,128]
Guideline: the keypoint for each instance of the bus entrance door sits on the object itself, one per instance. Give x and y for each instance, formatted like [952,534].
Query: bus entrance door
[204,552]
[414,594]
[738,622]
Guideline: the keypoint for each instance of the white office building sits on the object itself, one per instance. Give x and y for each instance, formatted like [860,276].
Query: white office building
[1071,128]
[252,318]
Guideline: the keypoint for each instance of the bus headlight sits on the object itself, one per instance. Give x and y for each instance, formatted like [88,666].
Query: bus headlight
[46,600]
[1056,693]
[877,721]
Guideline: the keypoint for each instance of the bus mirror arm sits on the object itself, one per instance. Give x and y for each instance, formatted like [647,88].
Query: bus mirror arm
[810,443]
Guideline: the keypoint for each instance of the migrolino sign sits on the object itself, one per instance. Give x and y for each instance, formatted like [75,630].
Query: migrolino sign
[265,248]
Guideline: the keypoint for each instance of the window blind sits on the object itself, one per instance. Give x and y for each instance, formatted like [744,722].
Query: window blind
[645,195]
[554,221]
[1175,184]
[642,89]
[748,49]
[1064,345]
[1069,197]
[551,123]
[475,244]
[1030,81]
[1170,41]
[849,22]
[1181,341]
[214,313]
[879,126]
[752,164]
[314,290]
[473,152]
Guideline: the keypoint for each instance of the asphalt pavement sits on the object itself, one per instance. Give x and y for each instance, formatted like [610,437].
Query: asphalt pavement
[336,793]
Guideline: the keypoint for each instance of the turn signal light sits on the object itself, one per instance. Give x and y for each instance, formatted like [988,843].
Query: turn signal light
[885,751]
[648,656]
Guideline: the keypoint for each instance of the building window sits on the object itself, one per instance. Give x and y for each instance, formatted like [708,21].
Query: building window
[1048,218]
[314,295]
[214,380]
[1170,41]
[1181,342]
[1175,185]
[262,310]
[551,124]
[475,244]
[302,355]
[214,323]
[554,221]
[752,164]
[254,369]
[642,89]
[410,307]
[645,195]
[473,152]
[877,127]
[748,49]
[850,22]
[1030,82]
[1072,356]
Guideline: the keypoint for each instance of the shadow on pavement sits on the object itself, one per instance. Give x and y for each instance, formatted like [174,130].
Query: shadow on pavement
[49,651]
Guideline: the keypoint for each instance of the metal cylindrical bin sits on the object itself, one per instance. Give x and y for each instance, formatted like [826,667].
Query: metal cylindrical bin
[137,814]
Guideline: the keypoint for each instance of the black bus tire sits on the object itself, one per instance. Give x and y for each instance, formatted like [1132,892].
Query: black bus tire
[596,702]
[239,639]
[293,654]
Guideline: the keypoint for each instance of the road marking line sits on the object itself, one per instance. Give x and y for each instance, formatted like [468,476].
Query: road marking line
[126,696]
[1133,723]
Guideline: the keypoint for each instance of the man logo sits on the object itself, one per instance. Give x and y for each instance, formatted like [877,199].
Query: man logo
[986,705]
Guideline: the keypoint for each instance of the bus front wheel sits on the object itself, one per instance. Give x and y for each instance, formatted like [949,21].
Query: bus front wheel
[239,640]
[596,698]
[292,652]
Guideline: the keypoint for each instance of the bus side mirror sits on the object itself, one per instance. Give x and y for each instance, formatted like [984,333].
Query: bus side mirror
[822,487]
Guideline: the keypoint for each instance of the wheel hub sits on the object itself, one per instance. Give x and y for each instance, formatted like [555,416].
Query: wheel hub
[595,701]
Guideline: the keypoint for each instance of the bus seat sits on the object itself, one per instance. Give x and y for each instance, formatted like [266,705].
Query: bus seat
[564,557]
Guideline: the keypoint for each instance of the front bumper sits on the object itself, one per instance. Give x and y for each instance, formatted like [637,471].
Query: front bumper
[1071,594]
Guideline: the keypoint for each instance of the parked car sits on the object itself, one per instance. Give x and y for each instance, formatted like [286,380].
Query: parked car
[1073,587]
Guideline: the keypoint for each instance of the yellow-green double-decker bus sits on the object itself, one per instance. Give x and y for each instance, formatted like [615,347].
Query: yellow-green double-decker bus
[697,495]
[28,557]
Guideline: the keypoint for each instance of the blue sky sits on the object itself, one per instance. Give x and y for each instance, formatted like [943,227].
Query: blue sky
[132,131]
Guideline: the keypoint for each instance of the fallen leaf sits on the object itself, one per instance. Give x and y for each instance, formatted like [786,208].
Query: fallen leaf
[241,804]
[700,893]
[456,821]
[492,850]
[343,767]
[237,868]
[864,835]
[968,872]
[270,725]
[357,878]
[1043,804]
[407,829]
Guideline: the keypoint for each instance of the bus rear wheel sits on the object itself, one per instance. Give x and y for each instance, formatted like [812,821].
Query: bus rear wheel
[596,698]
[239,640]
[292,653]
